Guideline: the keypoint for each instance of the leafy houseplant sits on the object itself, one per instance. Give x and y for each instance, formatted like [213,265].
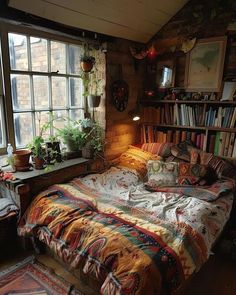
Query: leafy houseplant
[94,138]
[72,136]
[38,151]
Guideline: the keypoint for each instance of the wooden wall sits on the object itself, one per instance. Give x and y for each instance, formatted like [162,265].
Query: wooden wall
[121,131]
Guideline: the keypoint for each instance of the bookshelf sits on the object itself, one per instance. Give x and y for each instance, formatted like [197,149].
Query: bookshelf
[210,124]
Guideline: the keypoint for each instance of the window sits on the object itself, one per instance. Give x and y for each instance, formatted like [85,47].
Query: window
[2,127]
[44,80]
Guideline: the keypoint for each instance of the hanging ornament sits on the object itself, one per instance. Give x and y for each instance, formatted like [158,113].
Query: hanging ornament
[188,45]
[152,53]
[138,54]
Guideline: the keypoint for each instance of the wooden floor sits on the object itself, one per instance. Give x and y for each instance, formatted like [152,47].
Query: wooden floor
[217,276]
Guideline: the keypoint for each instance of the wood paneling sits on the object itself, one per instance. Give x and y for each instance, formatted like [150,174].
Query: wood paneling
[121,131]
[133,20]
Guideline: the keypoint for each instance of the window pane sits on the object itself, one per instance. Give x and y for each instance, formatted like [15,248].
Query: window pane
[59,122]
[58,57]
[40,119]
[20,88]
[77,114]
[23,129]
[18,52]
[39,54]
[59,92]
[41,93]
[74,54]
[76,98]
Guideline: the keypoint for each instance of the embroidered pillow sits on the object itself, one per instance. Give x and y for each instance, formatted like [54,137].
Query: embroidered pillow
[181,150]
[190,174]
[161,173]
[158,148]
[135,159]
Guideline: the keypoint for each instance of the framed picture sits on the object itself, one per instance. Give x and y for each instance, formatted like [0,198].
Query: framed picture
[204,65]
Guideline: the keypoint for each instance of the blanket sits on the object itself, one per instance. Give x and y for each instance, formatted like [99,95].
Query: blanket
[208,193]
[128,250]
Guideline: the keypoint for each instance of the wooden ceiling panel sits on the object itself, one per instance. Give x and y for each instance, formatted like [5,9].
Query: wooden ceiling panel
[137,20]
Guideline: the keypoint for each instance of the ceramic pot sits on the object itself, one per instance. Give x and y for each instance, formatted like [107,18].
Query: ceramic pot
[88,152]
[21,160]
[94,101]
[86,66]
[38,163]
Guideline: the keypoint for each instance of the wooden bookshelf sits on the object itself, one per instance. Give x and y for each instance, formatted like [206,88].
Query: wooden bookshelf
[211,124]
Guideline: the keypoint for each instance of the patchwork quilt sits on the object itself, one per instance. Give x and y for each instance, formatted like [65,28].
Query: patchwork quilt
[132,240]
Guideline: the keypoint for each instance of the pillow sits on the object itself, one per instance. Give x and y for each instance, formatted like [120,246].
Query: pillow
[6,207]
[181,150]
[135,159]
[190,174]
[162,173]
[158,148]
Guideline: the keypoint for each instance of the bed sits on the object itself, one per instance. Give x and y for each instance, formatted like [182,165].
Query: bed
[133,240]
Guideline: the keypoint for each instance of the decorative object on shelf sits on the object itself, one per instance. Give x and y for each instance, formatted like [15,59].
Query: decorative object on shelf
[21,160]
[188,44]
[204,66]
[120,94]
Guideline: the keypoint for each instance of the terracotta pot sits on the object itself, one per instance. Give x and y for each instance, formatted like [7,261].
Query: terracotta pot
[94,100]
[86,66]
[21,160]
[38,163]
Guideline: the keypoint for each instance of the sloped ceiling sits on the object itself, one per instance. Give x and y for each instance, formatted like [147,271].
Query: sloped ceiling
[137,20]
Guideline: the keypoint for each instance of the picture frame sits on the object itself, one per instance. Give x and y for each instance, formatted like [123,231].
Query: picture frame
[204,65]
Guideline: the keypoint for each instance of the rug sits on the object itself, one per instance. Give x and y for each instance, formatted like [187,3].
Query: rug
[29,277]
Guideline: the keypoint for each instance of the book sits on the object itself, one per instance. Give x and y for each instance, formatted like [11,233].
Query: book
[217,142]
[226,147]
[222,143]
[211,143]
[231,144]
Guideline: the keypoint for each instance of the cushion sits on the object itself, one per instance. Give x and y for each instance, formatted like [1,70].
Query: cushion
[195,174]
[135,159]
[162,173]
[158,148]
[181,150]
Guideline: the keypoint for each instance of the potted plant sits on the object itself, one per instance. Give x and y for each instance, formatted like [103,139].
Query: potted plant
[73,136]
[94,138]
[86,63]
[38,151]
[95,89]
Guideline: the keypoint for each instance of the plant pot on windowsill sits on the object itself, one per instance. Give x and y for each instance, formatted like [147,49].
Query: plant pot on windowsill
[88,152]
[21,160]
[39,163]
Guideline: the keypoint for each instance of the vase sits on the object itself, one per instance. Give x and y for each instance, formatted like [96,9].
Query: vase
[21,160]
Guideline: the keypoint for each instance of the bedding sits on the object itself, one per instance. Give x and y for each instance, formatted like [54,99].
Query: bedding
[134,241]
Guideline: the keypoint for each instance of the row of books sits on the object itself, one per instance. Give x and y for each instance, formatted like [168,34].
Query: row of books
[222,117]
[152,134]
[186,115]
[220,144]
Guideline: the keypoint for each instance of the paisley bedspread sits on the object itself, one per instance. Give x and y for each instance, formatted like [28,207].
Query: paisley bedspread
[132,240]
